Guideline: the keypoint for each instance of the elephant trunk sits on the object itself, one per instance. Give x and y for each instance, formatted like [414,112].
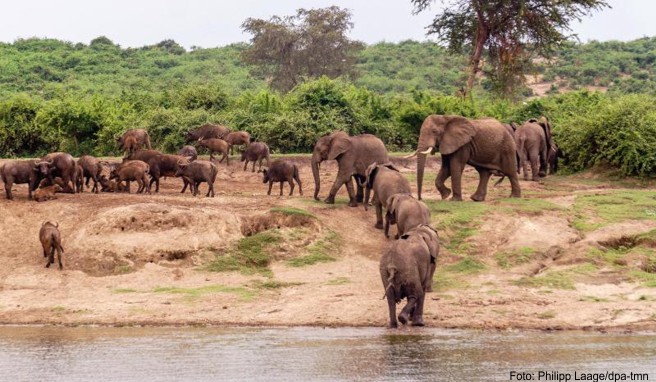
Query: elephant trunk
[316,159]
[421,162]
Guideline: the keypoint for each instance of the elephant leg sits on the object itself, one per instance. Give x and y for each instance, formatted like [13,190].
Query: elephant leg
[523,164]
[481,191]
[391,305]
[339,181]
[408,309]
[351,193]
[428,287]
[379,214]
[359,196]
[418,314]
[535,166]
[441,178]
[543,163]
[387,225]
[456,168]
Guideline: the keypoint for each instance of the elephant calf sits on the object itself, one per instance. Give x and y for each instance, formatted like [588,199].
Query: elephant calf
[385,180]
[406,212]
[51,242]
[282,171]
[406,270]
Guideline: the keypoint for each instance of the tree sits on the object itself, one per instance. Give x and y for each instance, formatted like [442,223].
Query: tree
[511,30]
[312,43]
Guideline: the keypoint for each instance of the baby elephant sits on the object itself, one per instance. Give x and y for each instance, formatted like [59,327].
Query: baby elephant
[406,270]
[51,242]
[406,212]
[282,171]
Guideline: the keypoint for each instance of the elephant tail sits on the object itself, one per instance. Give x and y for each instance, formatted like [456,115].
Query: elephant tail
[390,280]
[498,182]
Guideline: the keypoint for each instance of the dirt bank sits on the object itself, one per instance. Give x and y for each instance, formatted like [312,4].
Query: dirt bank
[576,252]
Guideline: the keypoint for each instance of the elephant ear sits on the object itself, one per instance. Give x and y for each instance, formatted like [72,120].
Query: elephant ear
[457,133]
[340,144]
[429,235]
[371,172]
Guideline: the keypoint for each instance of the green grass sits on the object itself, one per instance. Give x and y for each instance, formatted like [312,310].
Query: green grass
[466,266]
[319,251]
[124,290]
[293,211]
[243,293]
[123,269]
[613,207]
[457,221]
[443,282]
[249,256]
[553,279]
[338,281]
[516,257]
[645,278]
[272,284]
[593,299]
[547,315]
[530,205]
[58,309]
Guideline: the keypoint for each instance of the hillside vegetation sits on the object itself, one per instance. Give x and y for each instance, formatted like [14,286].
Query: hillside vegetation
[56,95]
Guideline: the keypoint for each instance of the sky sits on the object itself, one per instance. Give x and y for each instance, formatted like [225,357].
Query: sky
[212,23]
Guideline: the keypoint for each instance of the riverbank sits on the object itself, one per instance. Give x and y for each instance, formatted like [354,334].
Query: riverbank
[576,252]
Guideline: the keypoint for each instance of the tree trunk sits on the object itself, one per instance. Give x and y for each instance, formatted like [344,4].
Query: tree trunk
[482,34]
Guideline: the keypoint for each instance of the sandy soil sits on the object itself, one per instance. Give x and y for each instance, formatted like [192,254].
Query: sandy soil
[140,260]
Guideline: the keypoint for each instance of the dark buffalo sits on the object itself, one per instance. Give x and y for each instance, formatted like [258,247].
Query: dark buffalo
[50,239]
[165,165]
[133,140]
[207,131]
[91,169]
[56,164]
[282,171]
[216,145]
[197,172]
[134,170]
[18,172]
[189,152]
[256,151]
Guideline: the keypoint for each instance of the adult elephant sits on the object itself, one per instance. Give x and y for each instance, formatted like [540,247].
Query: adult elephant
[484,144]
[353,156]
[533,144]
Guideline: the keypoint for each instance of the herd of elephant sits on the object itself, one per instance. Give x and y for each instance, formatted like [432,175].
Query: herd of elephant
[492,148]
[408,264]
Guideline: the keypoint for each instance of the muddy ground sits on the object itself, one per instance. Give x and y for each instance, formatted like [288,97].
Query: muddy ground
[576,252]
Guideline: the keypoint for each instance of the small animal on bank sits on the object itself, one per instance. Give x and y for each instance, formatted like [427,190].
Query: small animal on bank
[195,173]
[282,171]
[50,238]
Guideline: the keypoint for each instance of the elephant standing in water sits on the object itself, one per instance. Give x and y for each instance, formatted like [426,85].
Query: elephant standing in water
[484,144]
[353,155]
[533,145]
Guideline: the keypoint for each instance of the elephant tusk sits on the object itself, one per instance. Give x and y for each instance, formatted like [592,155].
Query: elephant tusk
[414,154]
[427,151]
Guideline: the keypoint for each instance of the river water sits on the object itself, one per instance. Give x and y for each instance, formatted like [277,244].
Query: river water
[313,354]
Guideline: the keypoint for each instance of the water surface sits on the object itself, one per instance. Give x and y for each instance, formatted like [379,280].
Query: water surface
[304,354]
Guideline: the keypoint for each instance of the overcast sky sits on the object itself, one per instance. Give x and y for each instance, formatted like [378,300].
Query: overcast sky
[211,23]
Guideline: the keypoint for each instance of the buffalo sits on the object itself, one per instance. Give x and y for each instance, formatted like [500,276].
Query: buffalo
[56,164]
[197,172]
[91,169]
[133,140]
[18,172]
[50,238]
[207,131]
[134,170]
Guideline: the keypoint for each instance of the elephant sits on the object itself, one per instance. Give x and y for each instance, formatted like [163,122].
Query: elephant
[555,152]
[353,156]
[407,270]
[484,144]
[406,212]
[385,180]
[533,143]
